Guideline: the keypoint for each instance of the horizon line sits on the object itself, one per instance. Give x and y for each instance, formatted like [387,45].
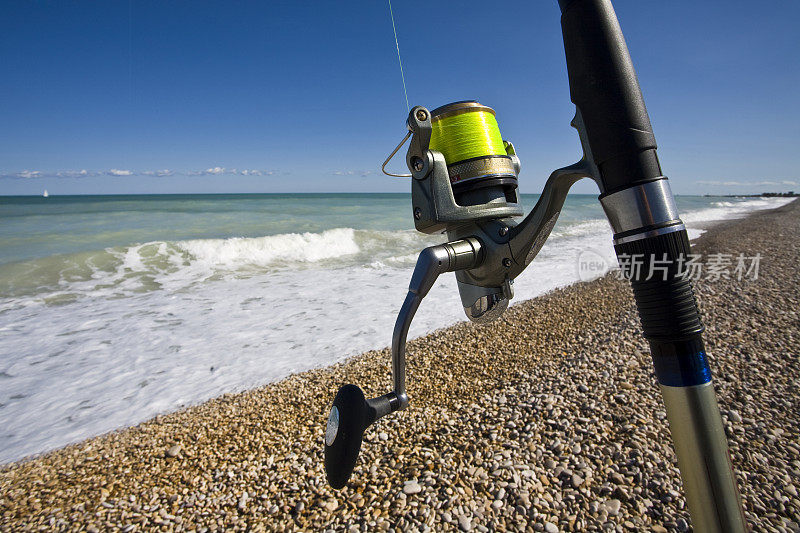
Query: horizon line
[50,195]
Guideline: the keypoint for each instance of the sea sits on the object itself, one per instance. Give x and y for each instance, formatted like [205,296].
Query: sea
[114,309]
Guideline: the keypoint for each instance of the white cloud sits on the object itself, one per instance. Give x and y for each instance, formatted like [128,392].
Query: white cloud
[217,171]
[117,172]
[158,173]
[362,173]
[73,173]
[256,172]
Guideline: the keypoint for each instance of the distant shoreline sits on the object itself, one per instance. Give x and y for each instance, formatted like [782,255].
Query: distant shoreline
[790,194]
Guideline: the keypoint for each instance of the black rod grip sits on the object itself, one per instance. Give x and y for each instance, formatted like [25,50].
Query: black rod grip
[604,88]
[657,269]
[662,286]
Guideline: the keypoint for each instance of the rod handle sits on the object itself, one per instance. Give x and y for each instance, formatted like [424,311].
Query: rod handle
[604,88]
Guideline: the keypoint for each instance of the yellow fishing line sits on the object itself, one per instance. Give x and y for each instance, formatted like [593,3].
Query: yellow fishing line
[466,135]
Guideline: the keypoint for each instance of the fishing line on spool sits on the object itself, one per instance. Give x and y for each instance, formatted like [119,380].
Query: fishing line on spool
[468,136]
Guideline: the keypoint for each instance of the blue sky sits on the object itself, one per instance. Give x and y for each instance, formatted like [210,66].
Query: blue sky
[152,96]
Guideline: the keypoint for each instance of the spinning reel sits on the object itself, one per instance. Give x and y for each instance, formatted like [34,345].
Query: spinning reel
[475,201]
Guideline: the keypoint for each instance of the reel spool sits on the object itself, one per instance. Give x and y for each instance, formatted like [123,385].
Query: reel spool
[468,136]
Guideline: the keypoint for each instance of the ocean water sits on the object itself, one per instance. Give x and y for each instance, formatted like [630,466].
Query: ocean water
[116,308]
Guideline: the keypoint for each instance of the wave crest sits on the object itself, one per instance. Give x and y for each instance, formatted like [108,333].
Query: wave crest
[266,251]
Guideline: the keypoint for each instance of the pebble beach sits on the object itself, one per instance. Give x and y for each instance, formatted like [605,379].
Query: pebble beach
[549,419]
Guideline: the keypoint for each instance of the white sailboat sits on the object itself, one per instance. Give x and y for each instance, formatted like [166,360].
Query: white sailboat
[45,194]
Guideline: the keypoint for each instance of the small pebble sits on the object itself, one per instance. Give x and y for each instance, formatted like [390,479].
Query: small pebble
[412,487]
[613,506]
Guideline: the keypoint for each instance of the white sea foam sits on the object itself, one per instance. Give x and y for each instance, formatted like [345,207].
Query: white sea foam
[146,329]
[579,229]
[264,251]
[732,209]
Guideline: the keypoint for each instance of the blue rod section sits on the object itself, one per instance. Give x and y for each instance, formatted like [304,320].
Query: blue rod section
[680,363]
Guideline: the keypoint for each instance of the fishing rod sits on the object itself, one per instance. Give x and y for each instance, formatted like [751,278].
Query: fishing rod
[464,179]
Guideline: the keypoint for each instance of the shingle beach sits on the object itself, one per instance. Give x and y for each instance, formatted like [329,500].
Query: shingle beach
[549,419]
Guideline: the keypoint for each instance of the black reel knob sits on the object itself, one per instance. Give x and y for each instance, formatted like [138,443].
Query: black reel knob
[350,415]
[347,421]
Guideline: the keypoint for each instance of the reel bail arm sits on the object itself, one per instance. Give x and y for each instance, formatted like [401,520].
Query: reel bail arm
[352,413]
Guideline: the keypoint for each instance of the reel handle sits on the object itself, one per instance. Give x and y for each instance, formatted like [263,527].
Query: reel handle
[351,414]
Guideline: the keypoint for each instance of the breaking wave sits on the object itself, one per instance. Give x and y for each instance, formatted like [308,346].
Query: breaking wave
[178,264]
